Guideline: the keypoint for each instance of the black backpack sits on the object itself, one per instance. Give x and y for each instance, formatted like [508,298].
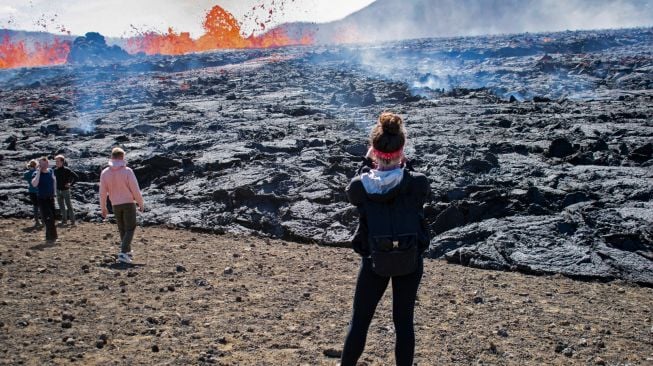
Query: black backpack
[396,232]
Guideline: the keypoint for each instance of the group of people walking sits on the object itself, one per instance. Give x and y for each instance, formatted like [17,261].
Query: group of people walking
[390,238]
[117,183]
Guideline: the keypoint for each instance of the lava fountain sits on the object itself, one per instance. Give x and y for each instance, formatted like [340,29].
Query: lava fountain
[17,54]
[222,31]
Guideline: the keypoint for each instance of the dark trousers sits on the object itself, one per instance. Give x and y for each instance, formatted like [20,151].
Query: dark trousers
[35,207]
[369,290]
[126,219]
[46,205]
[65,206]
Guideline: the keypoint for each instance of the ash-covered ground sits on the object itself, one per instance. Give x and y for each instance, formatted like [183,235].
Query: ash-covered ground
[538,146]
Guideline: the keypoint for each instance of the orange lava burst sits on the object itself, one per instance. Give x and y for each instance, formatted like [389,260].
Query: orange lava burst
[221,31]
[16,54]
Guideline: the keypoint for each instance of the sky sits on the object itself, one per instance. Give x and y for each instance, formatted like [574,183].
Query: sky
[115,18]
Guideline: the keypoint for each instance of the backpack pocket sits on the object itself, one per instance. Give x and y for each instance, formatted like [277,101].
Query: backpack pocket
[396,257]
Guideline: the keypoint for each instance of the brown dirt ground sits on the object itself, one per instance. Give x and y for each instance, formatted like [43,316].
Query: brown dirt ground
[286,304]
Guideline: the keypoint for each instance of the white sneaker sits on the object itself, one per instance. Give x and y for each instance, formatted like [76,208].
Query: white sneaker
[124,258]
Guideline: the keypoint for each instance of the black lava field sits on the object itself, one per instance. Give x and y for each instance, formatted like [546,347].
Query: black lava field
[538,147]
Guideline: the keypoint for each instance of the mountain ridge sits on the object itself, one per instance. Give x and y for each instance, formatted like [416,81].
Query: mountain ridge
[386,20]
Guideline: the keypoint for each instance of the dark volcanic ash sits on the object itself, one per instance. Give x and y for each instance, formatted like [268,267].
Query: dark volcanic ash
[538,147]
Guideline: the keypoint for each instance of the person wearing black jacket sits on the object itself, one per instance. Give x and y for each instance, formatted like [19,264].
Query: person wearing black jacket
[389,197]
[65,179]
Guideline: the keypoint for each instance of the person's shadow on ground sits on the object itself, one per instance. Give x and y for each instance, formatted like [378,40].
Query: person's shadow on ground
[43,246]
[32,229]
[122,266]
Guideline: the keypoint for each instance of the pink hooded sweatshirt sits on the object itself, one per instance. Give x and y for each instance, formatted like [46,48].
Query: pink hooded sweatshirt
[119,182]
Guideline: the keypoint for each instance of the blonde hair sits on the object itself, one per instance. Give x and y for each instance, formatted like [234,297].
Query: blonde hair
[32,163]
[117,153]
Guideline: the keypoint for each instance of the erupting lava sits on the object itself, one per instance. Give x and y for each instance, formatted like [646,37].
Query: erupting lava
[16,54]
[222,31]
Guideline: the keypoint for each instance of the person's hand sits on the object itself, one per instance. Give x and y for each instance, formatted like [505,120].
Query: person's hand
[105,212]
[67,185]
[141,208]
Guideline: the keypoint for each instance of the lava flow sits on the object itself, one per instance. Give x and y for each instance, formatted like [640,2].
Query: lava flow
[221,31]
[17,54]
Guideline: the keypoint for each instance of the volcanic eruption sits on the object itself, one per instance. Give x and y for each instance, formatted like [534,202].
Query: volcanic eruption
[19,54]
[222,31]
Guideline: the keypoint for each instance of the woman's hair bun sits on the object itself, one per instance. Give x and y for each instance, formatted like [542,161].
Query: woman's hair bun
[391,123]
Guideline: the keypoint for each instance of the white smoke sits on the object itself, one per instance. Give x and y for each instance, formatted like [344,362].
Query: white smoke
[400,19]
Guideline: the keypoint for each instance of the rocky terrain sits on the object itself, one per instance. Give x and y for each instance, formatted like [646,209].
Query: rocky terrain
[538,146]
[202,299]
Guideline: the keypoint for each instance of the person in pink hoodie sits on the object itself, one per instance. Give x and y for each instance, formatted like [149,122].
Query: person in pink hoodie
[119,183]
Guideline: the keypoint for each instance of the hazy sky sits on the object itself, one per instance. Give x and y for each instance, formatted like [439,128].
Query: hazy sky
[115,17]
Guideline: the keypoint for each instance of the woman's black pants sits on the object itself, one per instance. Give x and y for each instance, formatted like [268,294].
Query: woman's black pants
[369,290]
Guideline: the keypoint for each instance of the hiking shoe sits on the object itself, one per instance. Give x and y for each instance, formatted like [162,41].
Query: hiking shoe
[72,224]
[124,258]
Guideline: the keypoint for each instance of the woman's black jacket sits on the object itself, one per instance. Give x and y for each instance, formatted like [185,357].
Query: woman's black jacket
[414,189]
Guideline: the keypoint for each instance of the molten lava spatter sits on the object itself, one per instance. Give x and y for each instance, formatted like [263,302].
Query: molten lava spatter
[17,54]
[222,31]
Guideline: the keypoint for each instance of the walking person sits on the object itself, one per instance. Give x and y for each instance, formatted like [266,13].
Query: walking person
[33,191]
[46,182]
[391,238]
[119,183]
[65,179]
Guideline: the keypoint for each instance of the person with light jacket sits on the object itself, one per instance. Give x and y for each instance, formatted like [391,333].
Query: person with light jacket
[119,183]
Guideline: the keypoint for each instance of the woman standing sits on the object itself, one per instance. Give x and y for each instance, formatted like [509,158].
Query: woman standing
[32,191]
[66,177]
[391,237]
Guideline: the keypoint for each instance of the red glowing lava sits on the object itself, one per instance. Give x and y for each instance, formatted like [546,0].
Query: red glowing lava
[222,31]
[17,54]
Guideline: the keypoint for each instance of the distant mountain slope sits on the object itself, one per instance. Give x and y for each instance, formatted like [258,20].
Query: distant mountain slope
[400,19]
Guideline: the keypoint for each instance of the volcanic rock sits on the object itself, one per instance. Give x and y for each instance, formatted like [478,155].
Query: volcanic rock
[232,142]
[560,148]
[641,153]
[93,48]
